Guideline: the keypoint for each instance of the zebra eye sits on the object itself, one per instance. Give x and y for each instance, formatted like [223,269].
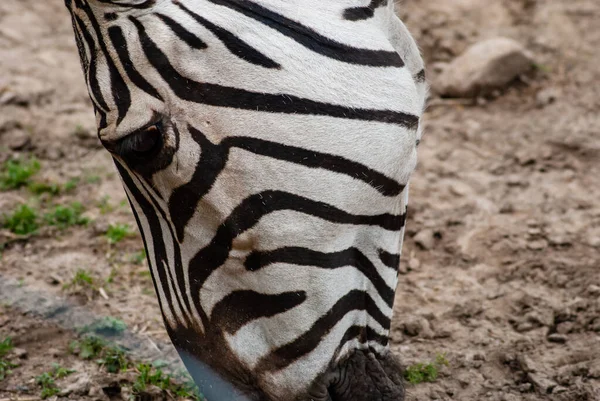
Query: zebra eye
[142,144]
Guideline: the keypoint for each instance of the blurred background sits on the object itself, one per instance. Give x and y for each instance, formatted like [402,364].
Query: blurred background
[499,294]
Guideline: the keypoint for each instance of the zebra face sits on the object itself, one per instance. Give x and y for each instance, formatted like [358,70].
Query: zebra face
[265,149]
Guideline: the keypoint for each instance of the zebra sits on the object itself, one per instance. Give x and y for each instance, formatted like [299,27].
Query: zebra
[265,147]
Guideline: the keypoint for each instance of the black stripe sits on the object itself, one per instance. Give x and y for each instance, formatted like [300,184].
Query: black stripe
[192,40]
[311,39]
[334,260]
[241,307]
[251,210]
[287,354]
[391,260]
[145,4]
[310,158]
[184,200]
[362,13]
[223,96]
[178,264]
[235,45]
[213,158]
[91,76]
[363,334]
[120,44]
[120,91]
[156,233]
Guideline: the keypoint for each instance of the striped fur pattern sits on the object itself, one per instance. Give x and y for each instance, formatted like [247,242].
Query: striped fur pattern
[265,147]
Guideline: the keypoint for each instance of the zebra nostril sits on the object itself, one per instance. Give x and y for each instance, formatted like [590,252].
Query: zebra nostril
[418,142]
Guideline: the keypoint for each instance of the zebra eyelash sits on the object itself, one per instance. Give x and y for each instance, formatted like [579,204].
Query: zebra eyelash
[141,144]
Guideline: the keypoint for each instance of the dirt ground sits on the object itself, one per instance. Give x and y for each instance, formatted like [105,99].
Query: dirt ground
[501,265]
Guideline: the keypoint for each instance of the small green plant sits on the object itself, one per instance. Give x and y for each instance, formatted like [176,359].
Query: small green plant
[113,359]
[39,188]
[46,382]
[149,375]
[441,360]
[106,326]
[66,216]
[6,346]
[71,184]
[105,206]
[59,372]
[89,347]
[425,372]
[117,232]
[93,179]
[81,279]
[22,221]
[16,173]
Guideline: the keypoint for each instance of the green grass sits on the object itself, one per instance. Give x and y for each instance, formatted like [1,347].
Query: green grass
[6,346]
[425,372]
[66,216]
[111,357]
[48,385]
[22,221]
[16,173]
[39,188]
[59,372]
[118,232]
[93,179]
[81,279]
[149,375]
[89,347]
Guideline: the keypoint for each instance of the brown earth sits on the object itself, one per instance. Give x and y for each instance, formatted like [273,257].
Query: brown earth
[501,266]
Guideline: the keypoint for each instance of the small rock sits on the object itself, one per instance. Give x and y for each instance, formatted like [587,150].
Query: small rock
[538,245]
[593,290]
[557,338]
[54,352]
[19,140]
[152,393]
[483,68]
[53,279]
[547,96]
[78,385]
[97,394]
[565,327]
[425,239]
[20,353]
[53,153]
[418,327]
[525,387]
[541,382]
[414,264]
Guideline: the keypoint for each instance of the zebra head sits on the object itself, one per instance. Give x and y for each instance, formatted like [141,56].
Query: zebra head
[265,147]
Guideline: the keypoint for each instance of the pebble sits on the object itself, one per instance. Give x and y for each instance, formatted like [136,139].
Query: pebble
[557,338]
[538,245]
[483,68]
[425,239]
[547,96]
[20,353]
[541,382]
[414,264]
[593,290]
[79,385]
